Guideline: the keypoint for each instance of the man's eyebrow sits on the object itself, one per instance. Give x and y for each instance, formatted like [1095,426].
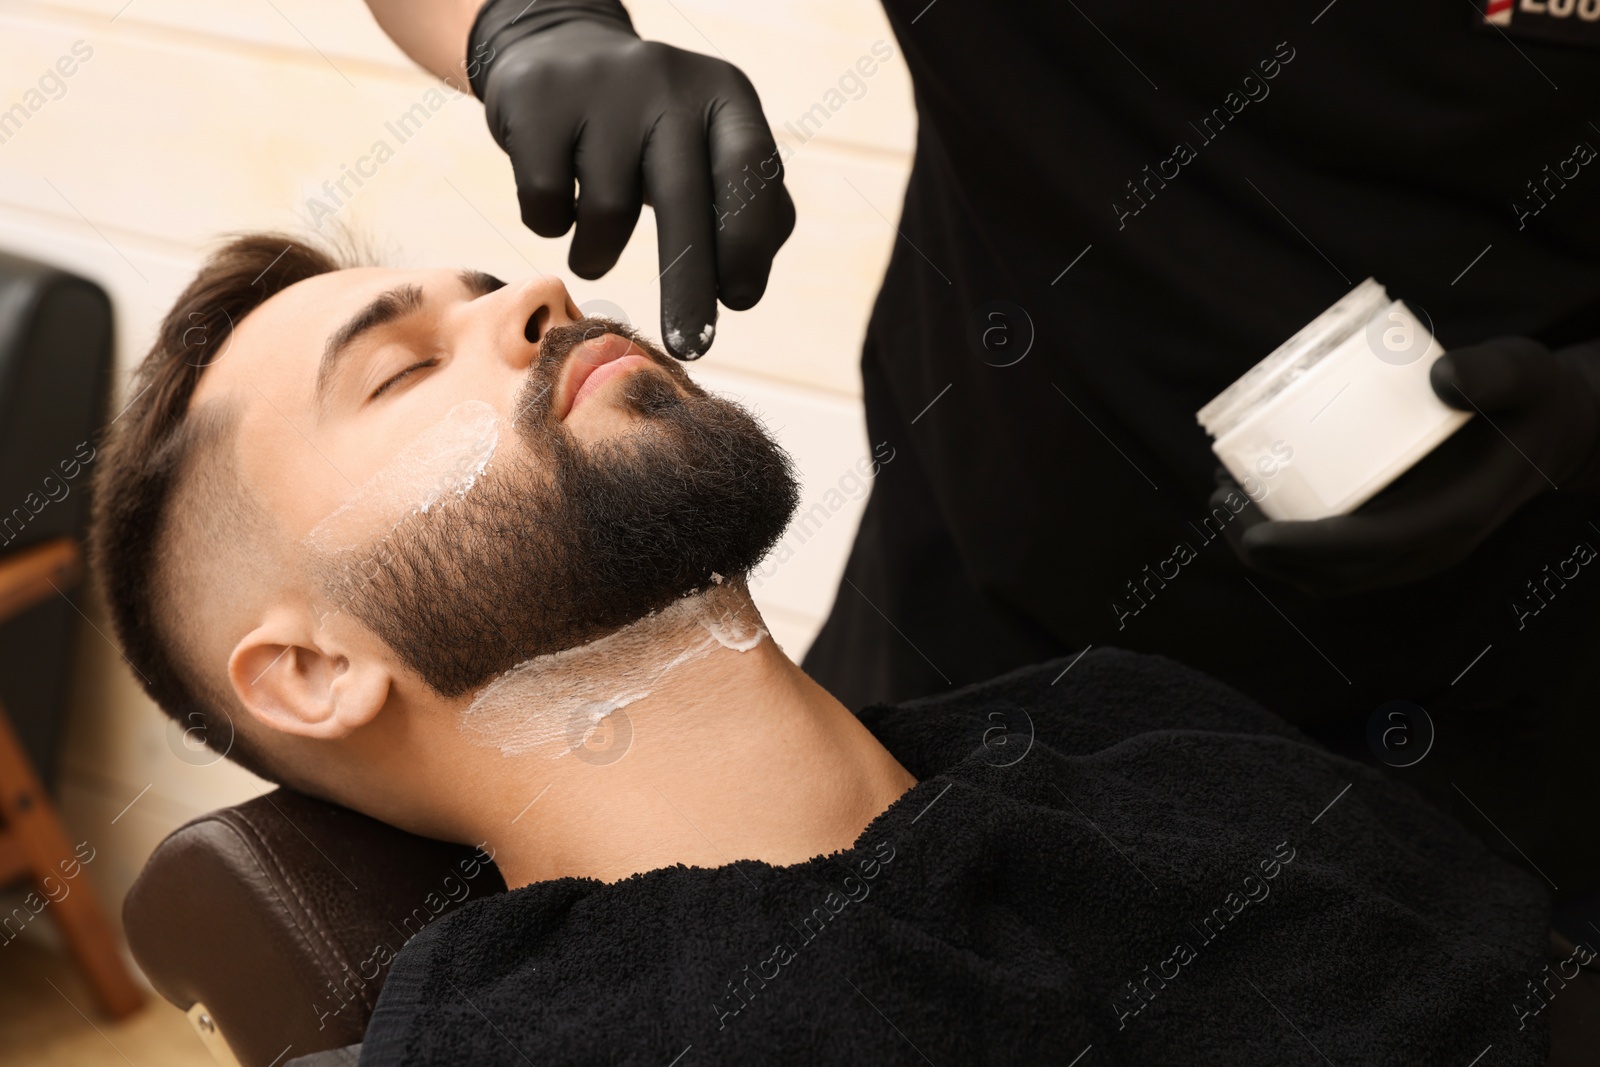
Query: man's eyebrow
[385,308]
[480,284]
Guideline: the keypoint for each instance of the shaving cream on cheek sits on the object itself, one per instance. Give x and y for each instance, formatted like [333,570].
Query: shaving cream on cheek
[550,705]
[441,463]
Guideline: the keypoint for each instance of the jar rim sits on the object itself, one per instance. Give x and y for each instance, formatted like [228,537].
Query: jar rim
[1293,359]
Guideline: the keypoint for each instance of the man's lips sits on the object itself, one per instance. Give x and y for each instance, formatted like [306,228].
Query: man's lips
[593,363]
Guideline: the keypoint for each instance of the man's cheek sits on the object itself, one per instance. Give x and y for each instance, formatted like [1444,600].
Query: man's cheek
[434,467]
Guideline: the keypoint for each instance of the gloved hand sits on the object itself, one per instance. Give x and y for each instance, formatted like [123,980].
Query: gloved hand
[571,92]
[1538,429]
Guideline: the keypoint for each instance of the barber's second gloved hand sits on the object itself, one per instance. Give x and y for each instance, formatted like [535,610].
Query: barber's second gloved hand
[1538,428]
[571,92]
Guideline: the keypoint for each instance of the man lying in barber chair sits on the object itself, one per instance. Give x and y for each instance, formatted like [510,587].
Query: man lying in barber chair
[424,535]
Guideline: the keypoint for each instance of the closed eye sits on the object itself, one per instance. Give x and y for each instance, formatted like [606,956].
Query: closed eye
[391,382]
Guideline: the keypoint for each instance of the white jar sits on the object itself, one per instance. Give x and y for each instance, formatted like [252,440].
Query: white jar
[1336,412]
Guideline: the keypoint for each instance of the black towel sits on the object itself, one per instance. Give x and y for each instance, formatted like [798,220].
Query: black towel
[1124,863]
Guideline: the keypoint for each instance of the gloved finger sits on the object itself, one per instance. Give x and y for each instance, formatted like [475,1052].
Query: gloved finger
[1321,558]
[1411,537]
[754,212]
[541,160]
[1221,507]
[1507,372]
[678,175]
[1324,574]
[610,194]
[1337,542]
[1303,554]
[1231,495]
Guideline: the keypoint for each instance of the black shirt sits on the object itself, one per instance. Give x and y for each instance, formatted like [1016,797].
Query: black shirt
[1127,855]
[1305,146]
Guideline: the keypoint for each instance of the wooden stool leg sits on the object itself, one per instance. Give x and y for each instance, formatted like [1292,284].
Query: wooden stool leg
[33,843]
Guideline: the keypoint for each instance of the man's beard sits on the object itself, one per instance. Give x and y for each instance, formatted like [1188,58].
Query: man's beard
[561,542]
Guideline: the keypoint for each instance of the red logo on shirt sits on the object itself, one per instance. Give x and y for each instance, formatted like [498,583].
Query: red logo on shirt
[1552,21]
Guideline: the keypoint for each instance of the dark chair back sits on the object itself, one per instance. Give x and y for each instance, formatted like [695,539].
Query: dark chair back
[281,916]
[55,368]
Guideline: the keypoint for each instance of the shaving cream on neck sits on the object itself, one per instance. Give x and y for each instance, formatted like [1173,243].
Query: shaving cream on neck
[442,462]
[549,705]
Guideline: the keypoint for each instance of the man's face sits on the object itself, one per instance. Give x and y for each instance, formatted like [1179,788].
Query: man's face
[478,474]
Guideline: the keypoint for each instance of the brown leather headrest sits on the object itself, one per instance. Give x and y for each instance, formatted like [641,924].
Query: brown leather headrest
[283,914]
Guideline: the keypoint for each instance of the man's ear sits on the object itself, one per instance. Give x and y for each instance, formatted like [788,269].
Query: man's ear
[298,677]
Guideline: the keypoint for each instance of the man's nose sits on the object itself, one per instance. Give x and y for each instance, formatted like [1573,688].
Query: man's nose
[522,313]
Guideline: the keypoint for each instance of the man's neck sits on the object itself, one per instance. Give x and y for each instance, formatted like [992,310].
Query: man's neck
[689,741]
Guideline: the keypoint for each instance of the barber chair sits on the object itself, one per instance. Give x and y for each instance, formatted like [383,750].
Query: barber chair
[272,923]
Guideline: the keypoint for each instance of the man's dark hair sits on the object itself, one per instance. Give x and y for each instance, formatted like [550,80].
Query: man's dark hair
[168,498]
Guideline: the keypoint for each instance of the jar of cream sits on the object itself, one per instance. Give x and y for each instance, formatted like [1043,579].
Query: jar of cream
[1335,413]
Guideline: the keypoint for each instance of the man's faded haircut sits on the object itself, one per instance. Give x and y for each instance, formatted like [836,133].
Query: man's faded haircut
[173,519]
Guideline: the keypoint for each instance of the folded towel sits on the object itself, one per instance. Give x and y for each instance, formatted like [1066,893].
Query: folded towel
[1114,860]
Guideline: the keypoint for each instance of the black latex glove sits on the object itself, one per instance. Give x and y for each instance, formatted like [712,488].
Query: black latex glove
[1537,429]
[571,92]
